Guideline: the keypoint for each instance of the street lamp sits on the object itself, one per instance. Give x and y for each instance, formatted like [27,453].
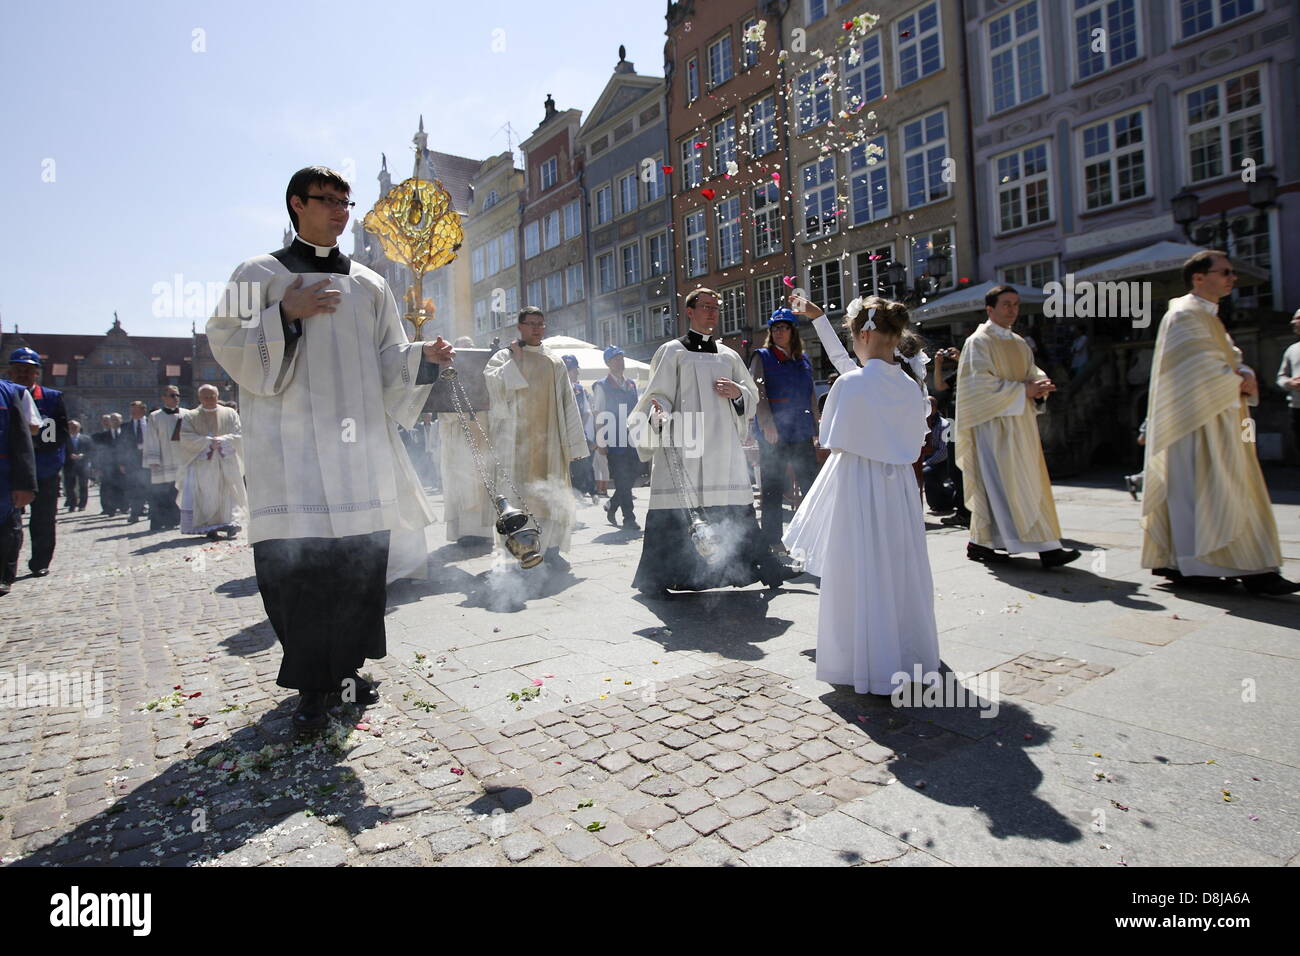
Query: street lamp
[937,266]
[1262,194]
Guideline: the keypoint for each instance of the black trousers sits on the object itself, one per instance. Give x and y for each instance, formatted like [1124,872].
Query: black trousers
[1295,428]
[11,543]
[164,512]
[76,485]
[670,560]
[112,497]
[137,489]
[44,509]
[624,466]
[325,598]
[772,462]
[582,475]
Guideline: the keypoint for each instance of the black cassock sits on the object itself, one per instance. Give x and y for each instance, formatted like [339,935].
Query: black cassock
[669,559]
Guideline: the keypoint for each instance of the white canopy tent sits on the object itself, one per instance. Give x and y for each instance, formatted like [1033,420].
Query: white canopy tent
[1163,257]
[591,360]
[963,302]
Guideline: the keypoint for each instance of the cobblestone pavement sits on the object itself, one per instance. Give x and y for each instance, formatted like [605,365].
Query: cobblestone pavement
[557,718]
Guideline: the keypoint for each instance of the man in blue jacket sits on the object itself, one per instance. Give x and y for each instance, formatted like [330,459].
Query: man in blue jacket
[17,479]
[49,444]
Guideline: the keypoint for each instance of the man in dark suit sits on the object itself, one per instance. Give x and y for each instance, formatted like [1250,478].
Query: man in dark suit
[49,447]
[105,459]
[136,475]
[76,468]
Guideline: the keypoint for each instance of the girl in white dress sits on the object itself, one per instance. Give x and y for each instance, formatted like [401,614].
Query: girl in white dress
[860,528]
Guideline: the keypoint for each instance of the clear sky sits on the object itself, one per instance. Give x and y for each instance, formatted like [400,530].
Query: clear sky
[129,156]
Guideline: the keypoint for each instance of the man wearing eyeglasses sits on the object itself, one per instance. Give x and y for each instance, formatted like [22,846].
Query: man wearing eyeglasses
[1206,517]
[326,376]
[536,428]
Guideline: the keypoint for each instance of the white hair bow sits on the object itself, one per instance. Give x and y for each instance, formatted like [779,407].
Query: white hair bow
[916,363]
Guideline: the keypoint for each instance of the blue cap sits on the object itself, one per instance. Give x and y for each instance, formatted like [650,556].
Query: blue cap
[570,361]
[613,351]
[783,315]
[25,357]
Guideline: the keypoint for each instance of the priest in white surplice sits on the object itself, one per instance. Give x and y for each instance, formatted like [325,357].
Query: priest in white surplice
[467,510]
[162,438]
[708,399]
[999,450]
[326,374]
[1206,515]
[211,468]
[536,429]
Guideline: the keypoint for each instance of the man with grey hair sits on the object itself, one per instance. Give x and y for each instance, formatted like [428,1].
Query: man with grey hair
[1288,378]
[212,462]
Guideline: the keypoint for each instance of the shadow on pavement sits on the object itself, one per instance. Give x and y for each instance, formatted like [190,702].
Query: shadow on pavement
[730,623]
[950,755]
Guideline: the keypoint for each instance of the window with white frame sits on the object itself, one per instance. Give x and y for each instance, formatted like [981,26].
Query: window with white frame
[663,324]
[923,246]
[551,230]
[535,293]
[573,220]
[824,285]
[1197,16]
[727,216]
[697,244]
[555,291]
[1015,56]
[655,188]
[816,10]
[630,257]
[762,126]
[1029,274]
[512,303]
[819,205]
[864,72]
[748,48]
[732,310]
[869,181]
[692,80]
[480,315]
[767,219]
[493,257]
[870,267]
[605,272]
[633,328]
[1114,160]
[1105,35]
[576,290]
[627,193]
[813,98]
[767,295]
[918,44]
[1023,190]
[692,165]
[925,147]
[724,144]
[532,239]
[604,200]
[491,199]
[657,255]
[1253,244]
[1225,124]
[550,173]
[606,335]
[476,264]
[721,65]
[507,249]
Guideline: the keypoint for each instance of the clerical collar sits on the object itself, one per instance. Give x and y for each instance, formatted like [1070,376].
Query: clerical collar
[1206,304]
[321,251]
[999,331]
[170,411]
[699,335]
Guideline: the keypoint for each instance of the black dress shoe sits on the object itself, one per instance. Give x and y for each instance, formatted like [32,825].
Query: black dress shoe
[311,713]
[1058,557]
[1171,573]
[40,572]
[1268,583]
[977,552]
[609,514]
[957,520]
[1203,582]
[362,691]
[631,525]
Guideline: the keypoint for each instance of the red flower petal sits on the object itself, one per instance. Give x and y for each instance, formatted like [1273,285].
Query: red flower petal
[667,169]
[198,721]
[708,194]
[197,693]
[457,771]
